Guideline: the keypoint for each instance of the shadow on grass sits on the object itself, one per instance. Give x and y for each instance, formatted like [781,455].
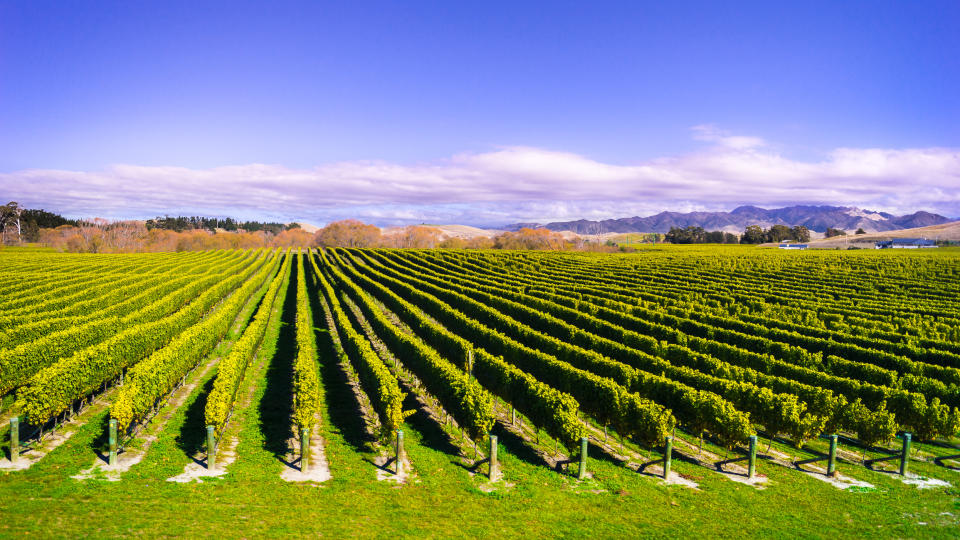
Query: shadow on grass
[276,405]
[518,447]
[855,443]
[346,415]
[387,466]
[938,444]
[238,327]
[478,466]
[942,461]
[101,443]
[596,451]
[431,433]
[430,430]
[193,433]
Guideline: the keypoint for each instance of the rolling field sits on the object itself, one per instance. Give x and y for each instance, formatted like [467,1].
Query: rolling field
[270,392]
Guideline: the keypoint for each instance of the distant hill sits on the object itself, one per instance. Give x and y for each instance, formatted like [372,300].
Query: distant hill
[815,218]
[450,231]
[944,231]
[308,227]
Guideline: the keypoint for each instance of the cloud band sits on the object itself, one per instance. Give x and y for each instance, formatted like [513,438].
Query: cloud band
[507,185]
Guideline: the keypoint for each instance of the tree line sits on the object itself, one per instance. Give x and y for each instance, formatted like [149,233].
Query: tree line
[186,223]
[195,233]
[697,235]
[19,224]
[188,233]
[754,234]
[354,233]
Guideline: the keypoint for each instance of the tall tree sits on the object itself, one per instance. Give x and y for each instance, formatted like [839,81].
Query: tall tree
[779,233]
[689,235]
[753,235]
[10,220]
[347,233]
[527,238]
[800,233]
[420,236]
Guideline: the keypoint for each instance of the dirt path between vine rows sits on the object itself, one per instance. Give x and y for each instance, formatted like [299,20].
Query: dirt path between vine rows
[61,434]
[148,433]
[226,448]
[318,470]
[371,423]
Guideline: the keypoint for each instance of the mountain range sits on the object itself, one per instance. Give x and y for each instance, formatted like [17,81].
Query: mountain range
[815,218]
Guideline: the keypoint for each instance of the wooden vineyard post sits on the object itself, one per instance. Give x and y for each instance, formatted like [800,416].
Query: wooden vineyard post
[513,415]
[905,456]
[400,452]
[583,459]
[14,439]
[494,466]
[832,461]
[752,460]
[470,363]
[211,448]
[304,449]
[667,457]
[112,458]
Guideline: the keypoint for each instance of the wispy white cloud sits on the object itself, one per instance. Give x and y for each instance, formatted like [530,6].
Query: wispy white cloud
[509,184]
[711,133]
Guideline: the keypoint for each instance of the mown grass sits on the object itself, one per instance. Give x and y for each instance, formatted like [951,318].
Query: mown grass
[443,499]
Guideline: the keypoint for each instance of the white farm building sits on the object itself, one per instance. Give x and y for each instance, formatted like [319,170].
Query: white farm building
[906,243]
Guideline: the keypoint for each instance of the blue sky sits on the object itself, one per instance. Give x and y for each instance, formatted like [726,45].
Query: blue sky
[477,112]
